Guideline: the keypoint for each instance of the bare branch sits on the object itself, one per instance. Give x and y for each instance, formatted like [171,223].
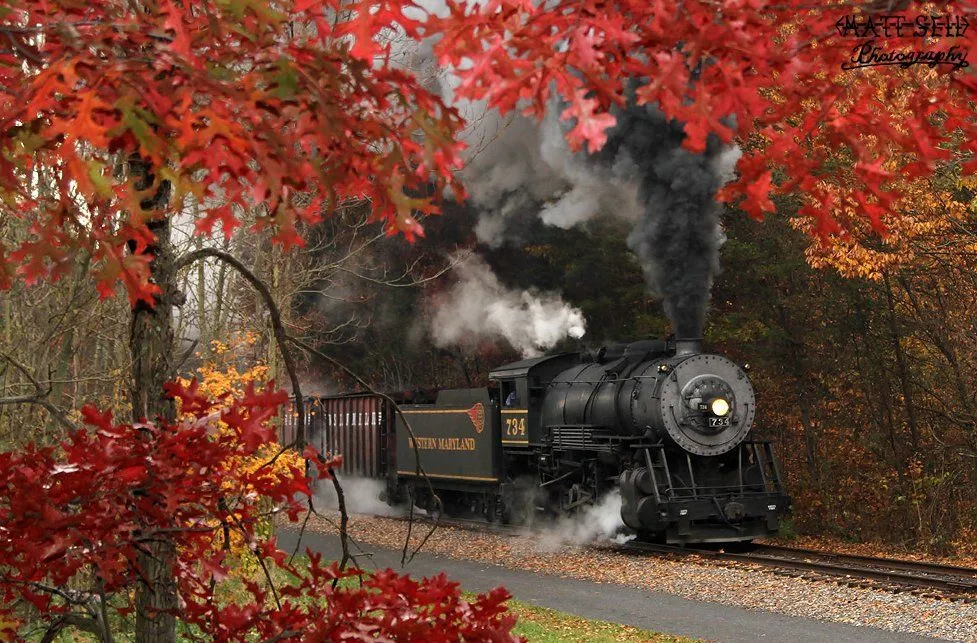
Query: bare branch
[39,396]
[406,279]
[276,322]
[261,560]
[282,339]
[405,558]
[84,623]
[343,519]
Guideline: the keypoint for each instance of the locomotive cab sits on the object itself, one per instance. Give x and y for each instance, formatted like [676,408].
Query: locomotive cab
[522,387]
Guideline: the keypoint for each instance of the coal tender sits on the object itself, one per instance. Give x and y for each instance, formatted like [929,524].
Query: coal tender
[660,421]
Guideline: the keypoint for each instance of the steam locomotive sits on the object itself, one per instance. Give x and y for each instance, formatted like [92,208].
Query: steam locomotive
[660,421]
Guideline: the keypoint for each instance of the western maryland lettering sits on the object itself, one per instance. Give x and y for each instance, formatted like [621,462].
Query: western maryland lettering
[443,444]
[447,440]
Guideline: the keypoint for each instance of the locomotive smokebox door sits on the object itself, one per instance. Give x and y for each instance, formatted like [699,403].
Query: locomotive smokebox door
[706,405]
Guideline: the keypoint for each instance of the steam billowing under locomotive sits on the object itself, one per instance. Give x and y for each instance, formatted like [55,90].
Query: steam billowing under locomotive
[662,422]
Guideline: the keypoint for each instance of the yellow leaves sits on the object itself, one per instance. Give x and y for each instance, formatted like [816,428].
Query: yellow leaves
[220,377]
[221,380]
[850,259]
[218,383]
[239,341]
[923,219]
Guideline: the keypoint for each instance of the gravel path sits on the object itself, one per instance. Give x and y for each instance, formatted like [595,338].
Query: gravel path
[750,588]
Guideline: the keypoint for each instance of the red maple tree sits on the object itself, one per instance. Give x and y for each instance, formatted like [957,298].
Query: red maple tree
[776,76]
[249,104]
[75,518]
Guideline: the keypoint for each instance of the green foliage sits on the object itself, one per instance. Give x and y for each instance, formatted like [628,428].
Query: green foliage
[542,625]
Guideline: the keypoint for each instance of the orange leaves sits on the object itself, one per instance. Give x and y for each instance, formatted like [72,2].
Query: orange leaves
[723,68]
[923,219]
[244,111]
[215,101]
[89,125]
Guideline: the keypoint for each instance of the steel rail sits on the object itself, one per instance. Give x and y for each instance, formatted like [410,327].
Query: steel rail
[955,582]
[967,575]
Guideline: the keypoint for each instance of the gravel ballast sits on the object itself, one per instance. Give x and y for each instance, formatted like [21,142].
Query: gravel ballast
[750,587]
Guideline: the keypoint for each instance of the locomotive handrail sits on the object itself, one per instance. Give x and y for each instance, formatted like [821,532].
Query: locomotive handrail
[725,488]
[691,490]
[651,471]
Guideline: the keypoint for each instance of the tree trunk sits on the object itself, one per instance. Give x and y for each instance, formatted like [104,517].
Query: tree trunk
[151,344]
[803,391]
[276,287]
[907,393]
[203,334]
[62,372]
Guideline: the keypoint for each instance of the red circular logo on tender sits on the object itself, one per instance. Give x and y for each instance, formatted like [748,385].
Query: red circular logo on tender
[477,415]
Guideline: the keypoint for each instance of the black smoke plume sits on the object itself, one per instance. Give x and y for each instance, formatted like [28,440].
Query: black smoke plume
[642,175]
[521,171]
[677,238]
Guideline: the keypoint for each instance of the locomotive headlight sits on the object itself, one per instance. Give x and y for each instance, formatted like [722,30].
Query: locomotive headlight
[720,407]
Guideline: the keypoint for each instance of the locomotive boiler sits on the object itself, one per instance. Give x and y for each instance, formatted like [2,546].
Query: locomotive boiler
[663,424]
[703,404]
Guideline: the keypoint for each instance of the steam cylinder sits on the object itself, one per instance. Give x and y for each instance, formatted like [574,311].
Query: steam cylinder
[671,398]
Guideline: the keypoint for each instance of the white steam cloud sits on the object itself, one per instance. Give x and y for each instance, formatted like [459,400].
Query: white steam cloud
[519,171]
[600,521]
[479,307]
[362,495]
[526,172]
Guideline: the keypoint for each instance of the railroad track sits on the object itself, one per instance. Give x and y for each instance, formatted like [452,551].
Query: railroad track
[887,573]
[931,579]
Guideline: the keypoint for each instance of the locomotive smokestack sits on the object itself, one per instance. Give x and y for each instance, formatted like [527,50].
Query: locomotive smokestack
[688,346]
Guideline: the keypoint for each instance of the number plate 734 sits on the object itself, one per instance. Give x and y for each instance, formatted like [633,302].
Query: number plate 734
[718,422]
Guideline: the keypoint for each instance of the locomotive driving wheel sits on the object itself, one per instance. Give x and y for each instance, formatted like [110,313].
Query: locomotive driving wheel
[576,495]
[494,508]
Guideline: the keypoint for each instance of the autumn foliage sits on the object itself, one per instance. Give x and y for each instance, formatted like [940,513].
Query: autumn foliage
[75,516]
[239,105]
[222,383]
[116,117]
[292,108]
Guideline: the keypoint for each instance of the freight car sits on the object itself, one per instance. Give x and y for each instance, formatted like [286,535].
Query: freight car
[660,421]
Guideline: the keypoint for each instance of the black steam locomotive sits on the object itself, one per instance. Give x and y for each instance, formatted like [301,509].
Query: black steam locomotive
[661,421]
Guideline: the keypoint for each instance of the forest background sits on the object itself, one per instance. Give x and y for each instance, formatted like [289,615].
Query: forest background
[862,353]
